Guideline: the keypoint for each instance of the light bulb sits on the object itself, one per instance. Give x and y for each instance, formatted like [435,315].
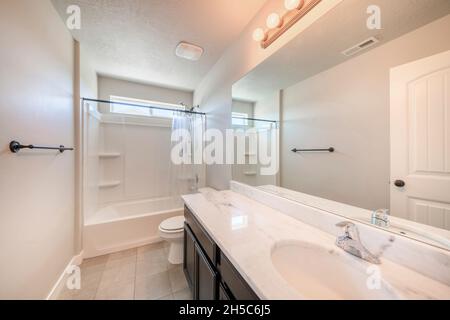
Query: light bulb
[259,35]
[274,21]
[293,4]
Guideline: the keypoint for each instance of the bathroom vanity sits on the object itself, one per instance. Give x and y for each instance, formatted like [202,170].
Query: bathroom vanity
[211,276]
[247,244]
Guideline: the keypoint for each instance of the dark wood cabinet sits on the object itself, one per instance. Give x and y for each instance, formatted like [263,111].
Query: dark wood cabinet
[224,293]
[206,277]
[210,274]
[232,282]
[189,257]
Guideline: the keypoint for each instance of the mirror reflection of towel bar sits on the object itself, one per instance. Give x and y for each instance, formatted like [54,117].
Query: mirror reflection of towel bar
[313,150]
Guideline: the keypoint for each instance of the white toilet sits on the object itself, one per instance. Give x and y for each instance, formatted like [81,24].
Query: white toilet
[172,231]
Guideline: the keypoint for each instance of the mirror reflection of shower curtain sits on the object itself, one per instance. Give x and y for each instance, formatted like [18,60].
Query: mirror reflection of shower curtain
[184,177]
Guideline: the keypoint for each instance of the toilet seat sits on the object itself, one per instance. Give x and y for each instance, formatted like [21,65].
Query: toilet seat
[172,225]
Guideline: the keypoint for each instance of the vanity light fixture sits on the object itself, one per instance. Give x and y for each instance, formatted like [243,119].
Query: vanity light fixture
[274,21]
[278,25]
[293,4]
[259,35]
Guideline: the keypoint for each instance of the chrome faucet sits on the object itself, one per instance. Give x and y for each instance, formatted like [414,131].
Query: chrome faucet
[351,243]
[380,218]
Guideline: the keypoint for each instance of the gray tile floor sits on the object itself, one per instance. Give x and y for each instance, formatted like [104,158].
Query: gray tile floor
[141,274]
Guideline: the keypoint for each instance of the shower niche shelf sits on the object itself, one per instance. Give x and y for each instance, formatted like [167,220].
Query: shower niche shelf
[109,155]
[109,184]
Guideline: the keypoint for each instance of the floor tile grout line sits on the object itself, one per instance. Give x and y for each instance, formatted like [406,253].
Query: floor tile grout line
[101,277]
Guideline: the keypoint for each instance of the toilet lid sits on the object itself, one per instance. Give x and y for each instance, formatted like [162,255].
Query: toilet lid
[172,224]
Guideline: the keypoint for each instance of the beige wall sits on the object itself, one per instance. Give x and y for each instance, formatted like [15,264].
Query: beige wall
[347,107]
[109,86]
[268,108]
[214,92]
[88,75]
[36,187]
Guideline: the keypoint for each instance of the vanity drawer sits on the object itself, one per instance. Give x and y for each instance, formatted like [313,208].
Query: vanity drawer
[233,284]
[205,241]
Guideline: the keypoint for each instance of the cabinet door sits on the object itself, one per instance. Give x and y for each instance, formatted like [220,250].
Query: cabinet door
[233,282]
[223,294]
[206,277]
[189,257]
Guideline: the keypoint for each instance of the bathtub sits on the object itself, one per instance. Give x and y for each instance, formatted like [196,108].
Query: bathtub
[127,225]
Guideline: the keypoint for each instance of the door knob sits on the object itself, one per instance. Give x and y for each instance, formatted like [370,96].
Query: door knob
[400,183]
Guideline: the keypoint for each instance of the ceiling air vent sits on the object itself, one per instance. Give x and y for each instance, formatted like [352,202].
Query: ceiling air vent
[360,47]
[188,51]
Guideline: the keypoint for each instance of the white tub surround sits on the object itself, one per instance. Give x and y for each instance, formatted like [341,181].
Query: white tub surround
[127,225]
[249,233]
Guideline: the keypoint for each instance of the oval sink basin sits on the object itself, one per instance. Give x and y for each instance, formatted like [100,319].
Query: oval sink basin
[326,274]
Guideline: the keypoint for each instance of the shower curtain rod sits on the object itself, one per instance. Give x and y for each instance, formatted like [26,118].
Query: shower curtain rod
[255,119]
[142,106]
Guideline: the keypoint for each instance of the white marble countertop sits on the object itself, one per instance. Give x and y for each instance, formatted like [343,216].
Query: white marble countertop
[247,231]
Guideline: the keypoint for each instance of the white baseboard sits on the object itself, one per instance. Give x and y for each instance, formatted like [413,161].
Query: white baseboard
[59,285]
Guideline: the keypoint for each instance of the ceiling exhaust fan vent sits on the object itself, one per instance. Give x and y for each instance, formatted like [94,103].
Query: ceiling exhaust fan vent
[189,51]
[360,47]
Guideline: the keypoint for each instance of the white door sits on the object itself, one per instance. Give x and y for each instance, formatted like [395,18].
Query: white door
[420,141]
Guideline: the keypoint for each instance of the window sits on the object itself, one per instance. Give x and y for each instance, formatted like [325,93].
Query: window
[239,122]
[136,110]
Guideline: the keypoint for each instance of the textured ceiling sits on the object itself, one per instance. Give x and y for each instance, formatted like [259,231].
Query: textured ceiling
[319,47]
[136,39]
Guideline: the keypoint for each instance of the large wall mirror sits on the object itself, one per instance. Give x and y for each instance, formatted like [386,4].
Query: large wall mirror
[362,133]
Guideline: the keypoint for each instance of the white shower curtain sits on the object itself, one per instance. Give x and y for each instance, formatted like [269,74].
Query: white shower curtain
[184,177]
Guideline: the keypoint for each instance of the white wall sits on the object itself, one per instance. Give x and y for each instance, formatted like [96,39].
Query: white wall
[36,187]
[214,92]
[268,108]
[109,86]
[347,107]
[243,107]
[88,75]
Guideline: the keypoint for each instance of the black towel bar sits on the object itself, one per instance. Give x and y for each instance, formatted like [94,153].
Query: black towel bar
[15,147]
[313,150]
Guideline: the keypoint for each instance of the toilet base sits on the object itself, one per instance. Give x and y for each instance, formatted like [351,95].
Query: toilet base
[176,251]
